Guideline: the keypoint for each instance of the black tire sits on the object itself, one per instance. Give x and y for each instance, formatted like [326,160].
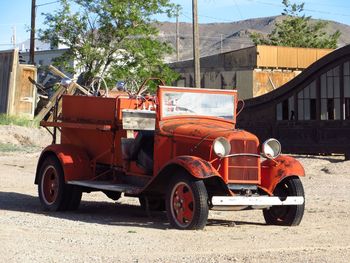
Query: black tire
[187,214]
[75,197]
[154,203]
[289,215]
[54,193]
[113,195]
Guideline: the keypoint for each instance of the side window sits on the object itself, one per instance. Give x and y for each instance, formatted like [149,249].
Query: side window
[347,90]
[330,95]
[307,102]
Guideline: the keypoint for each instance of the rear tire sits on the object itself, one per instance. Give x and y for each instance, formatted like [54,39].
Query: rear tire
[113,195]
[290,215]
[187,202]
[54,193]
[154,203]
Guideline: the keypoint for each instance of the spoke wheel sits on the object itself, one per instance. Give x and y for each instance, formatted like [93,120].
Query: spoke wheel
[182,202]
[54,193]
[289,215]
[50,185]
[187,203]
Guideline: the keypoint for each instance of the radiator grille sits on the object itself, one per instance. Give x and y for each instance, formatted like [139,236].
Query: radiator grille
[243,168]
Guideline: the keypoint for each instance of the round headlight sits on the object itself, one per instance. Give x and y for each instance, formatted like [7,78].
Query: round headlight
[271,148]
[222,147]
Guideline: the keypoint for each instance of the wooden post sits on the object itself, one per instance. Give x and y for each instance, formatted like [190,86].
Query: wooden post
[196,53]
[177,36]
[32,35]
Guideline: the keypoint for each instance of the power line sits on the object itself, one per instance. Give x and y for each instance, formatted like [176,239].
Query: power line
[203,37]
[13,24]
[239,11]
[265,3]
[305,9]
[49,3]
[213,18]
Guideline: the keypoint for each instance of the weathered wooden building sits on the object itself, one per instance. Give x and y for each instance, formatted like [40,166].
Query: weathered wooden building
[309,114]
[253,71]
[17,94]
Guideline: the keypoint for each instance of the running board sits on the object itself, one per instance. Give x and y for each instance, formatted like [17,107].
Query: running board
[255,200]
[108,186]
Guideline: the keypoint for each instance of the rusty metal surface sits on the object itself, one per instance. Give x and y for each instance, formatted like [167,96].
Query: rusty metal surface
[274,171]
[266,81]
[196,166]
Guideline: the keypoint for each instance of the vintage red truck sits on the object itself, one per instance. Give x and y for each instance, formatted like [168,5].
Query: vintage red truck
[177,151]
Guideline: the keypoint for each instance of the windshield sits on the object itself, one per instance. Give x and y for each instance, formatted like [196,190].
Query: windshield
[195,103]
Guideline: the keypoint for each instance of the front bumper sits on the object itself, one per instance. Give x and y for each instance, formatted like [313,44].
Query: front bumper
[259,201]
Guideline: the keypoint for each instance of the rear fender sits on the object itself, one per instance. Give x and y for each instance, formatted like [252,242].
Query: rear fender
[274,171]
[74,161]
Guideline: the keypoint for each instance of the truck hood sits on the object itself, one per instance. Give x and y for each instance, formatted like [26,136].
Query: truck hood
[209,129]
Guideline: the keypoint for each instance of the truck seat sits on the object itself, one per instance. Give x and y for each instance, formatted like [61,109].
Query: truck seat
[142,150]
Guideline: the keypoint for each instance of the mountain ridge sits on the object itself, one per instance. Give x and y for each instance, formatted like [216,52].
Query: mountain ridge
[227,36]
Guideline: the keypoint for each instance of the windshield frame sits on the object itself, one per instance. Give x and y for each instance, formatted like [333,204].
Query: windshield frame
[164,89]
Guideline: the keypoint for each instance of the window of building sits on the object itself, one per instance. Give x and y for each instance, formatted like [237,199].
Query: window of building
[181,82]
[285,110]
[347,90]
[330,95]
[191,81]
[307,102]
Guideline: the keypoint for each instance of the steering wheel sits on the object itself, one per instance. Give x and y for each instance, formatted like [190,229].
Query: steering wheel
[143,86]
[95,87]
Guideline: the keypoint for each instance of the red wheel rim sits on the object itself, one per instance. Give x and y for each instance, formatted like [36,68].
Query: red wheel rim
[50,185]
[182,203]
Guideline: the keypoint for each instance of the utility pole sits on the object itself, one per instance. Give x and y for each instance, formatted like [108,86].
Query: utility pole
[177,36]
[196,62]
[220,43]
[13,39]
[32,34]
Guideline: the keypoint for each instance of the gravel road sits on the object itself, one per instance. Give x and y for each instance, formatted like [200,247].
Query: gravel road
[105,231]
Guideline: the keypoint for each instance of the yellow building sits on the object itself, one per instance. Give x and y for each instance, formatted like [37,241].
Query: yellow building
[253,71]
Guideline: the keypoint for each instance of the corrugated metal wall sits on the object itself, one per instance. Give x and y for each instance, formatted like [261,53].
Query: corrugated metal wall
[288,57]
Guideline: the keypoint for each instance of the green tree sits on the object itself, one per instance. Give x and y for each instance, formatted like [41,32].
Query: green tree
[114,39]
[297,30]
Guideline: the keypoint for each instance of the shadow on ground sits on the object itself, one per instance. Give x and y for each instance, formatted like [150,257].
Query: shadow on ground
[99,212]
[330,158]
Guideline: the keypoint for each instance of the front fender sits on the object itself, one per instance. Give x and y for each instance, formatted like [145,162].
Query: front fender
[198,167]
[74,161]
[274,171]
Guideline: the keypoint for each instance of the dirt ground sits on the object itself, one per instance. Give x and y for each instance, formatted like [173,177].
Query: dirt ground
[106,231]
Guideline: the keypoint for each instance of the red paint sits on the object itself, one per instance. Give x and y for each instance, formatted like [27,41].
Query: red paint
[74,160]
[274,171]
[92,131]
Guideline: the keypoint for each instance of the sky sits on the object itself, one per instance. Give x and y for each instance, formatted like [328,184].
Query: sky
[15,14]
